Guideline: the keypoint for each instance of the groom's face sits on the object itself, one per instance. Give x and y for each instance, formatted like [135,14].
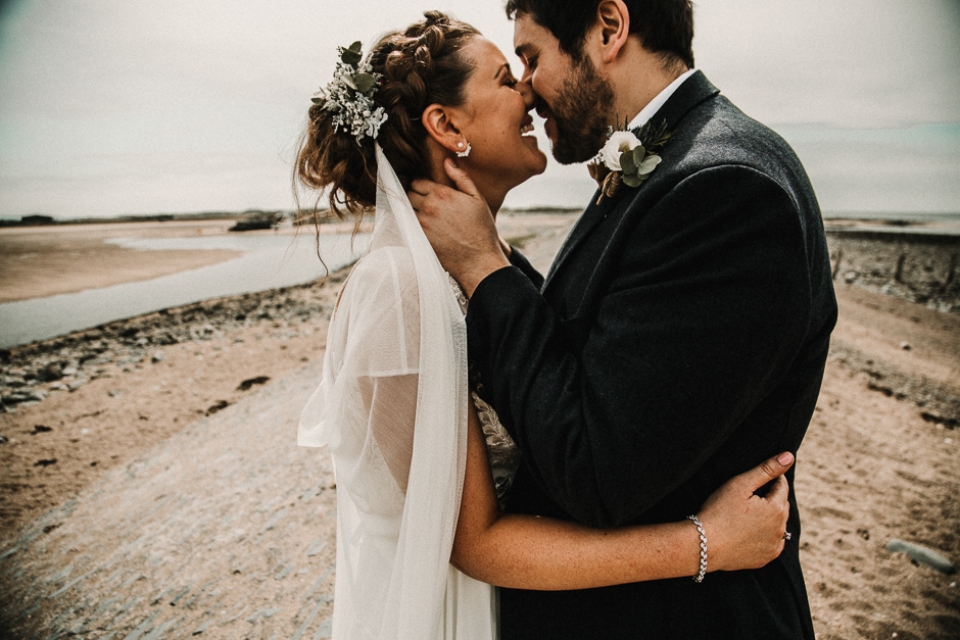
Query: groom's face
[571,96]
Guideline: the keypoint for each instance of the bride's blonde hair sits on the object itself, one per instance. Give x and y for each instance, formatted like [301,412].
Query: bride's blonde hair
[420,66]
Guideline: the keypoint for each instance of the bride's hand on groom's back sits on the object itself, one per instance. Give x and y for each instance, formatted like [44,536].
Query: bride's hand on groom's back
[460,227]
[745,530]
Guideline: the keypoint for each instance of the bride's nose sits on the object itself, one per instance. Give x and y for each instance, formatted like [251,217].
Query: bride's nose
[529,97]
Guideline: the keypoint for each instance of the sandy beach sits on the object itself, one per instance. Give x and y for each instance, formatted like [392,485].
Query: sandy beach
[113,409]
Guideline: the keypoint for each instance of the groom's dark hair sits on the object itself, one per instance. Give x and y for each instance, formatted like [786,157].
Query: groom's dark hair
[664,27]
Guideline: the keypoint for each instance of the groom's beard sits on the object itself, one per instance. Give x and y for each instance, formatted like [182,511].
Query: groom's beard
[581,113]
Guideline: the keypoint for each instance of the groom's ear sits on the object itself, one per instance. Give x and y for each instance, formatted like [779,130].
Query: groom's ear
[439,125]
[613,24]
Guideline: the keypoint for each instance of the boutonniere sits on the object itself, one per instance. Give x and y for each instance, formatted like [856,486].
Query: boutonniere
[628,158]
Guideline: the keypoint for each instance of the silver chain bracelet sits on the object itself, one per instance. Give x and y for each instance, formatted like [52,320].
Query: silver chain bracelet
[703,549]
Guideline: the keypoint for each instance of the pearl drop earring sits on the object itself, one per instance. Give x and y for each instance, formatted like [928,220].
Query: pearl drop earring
[465,152]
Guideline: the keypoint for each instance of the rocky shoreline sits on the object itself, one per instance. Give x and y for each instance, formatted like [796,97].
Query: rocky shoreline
[31,373]
[911,265]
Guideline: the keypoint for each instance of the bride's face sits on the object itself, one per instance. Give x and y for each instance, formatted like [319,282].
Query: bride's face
[495,118]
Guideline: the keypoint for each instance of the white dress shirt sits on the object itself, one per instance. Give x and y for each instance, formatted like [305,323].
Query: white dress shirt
[654,105]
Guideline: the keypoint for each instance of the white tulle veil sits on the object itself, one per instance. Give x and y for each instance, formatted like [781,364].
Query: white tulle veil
[392,409]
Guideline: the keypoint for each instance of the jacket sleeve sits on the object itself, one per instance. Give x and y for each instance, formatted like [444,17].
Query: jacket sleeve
[520,261]
[707,306]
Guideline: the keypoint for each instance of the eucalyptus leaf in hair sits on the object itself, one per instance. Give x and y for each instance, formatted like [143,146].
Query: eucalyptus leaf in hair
[351,55]
[364,82]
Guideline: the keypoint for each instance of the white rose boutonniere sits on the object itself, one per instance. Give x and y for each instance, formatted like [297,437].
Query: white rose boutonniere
[619,143]
[628,158]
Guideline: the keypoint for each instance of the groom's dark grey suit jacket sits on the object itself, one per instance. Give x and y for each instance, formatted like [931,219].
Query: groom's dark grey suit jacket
[679,339]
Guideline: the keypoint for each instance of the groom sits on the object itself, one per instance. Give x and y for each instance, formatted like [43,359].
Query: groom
[680,336]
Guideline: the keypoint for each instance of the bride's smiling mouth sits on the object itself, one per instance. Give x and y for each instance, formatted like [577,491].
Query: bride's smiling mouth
[526,128]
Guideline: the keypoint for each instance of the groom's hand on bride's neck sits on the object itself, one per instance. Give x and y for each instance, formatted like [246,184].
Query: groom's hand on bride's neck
[460,227]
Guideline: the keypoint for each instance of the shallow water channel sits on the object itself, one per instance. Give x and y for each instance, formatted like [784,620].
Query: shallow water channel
[268,262]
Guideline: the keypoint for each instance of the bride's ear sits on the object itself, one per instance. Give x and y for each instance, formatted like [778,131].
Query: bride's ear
[613,23]
[439,125]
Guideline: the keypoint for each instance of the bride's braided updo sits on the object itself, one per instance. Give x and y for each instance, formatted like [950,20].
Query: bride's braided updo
[420,66]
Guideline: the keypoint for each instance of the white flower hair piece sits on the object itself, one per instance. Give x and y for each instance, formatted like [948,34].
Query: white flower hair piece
[349,96]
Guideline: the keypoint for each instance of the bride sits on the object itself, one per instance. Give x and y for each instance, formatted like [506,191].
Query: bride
[423,466]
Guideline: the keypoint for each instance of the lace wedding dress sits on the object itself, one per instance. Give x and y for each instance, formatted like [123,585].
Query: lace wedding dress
[392,410]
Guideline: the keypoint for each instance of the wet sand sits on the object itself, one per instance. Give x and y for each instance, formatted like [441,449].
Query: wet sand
[880,460]
[36,262]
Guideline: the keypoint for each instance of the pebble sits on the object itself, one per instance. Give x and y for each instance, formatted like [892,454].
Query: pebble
[51,372]
[158,356]
[922,554]
[939,419]
[203,627]
[906,346]
[250,382]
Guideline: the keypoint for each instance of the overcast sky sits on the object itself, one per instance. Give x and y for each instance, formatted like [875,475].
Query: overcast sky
[111,107]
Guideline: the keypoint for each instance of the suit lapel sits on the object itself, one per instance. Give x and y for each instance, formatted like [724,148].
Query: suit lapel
[593,214]
[688,95]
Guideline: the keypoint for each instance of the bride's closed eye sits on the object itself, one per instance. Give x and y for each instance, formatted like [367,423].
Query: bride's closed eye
[506,77]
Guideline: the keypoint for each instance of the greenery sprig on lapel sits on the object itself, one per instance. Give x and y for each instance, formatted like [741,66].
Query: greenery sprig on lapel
[628,158]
